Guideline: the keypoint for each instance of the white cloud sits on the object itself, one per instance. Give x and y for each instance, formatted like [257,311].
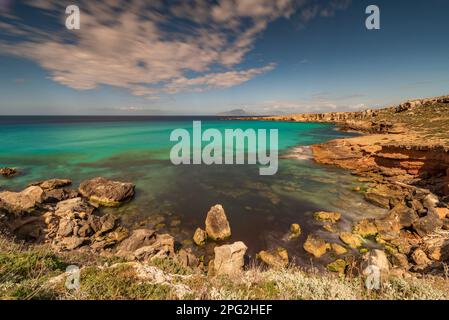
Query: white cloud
[147,48]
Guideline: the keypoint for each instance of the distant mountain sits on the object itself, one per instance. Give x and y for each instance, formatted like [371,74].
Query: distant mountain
[235,112]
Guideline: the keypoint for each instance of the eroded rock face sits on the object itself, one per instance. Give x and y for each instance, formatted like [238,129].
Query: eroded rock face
[217,225]
[316,246]
[229,258]
[277,258]
[106,192]
[21,202]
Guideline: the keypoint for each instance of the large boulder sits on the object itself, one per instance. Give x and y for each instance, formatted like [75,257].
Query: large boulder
[20,202]
[217,225]
[229,258]
[316,246]
[277,258]
[106,192]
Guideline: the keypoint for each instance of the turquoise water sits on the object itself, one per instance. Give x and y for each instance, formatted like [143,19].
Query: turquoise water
[177,198]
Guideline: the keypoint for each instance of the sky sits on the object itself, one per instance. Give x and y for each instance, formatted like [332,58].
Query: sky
[206,57]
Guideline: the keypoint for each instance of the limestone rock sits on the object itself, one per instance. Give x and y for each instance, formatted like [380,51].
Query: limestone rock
[106,192]
[229,258]
[217,225]
[338,265]
[8,172]
[200,237]
[20,202]
[420,258]
[338,249]
[277,258]
[428,224]
[52,184]
[295,231]
[352,240]
[163,246]
[327,216]
[315,246]
[365,228]
[74,208]
[138,238]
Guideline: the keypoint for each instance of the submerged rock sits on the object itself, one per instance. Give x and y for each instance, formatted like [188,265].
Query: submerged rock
[327,216]
[21,202]
[106,192]
[8,172]
[217,225]
[200,237]
[229,258]
[277,258]
[316,246]
[352,240]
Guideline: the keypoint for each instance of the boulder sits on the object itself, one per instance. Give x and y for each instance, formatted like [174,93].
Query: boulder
[163,246]
[377,258]
[20,202]
[101,242]
[66,227]
[277,258]
[400,260]
[57,195]
[229,258]
[365,228]
[338,249]
[52,184]
[428,224]
[404,215]
[71,243]
[217,225]
[352,240]
[420,258]
[74,208]
[338,265]
[316,246]
[327,216]
[200,236]
[388,228]
[8,172]
[187,258]
[106,192]
[138,238]
[295,231]
[107,222]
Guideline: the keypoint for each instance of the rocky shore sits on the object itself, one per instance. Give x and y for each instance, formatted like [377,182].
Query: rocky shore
[402,161]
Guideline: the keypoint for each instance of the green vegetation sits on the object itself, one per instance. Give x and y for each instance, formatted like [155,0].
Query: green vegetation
[36,273]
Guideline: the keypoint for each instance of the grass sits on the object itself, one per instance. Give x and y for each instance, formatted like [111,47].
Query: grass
[37,273]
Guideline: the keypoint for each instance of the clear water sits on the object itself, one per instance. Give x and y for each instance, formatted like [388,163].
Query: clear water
[177,198]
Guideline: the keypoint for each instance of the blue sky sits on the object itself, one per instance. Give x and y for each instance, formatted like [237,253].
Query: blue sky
[206,57]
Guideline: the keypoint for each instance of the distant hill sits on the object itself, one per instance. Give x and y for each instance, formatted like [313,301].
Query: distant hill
[235,112]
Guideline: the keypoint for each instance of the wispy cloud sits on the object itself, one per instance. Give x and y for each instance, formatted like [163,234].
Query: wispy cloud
[151,48]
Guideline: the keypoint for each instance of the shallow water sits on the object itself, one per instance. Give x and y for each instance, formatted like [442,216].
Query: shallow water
[177,198]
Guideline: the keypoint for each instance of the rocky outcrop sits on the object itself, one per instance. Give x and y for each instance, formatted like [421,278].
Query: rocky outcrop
[21,202]
[229,259]
[106,192]
[217,225]
[277,258]
[331,217]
